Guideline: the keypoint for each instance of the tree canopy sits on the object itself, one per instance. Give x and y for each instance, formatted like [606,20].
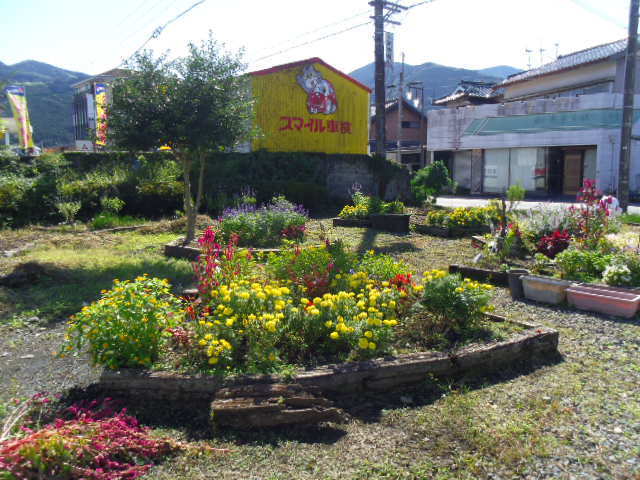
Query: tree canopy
[195,104]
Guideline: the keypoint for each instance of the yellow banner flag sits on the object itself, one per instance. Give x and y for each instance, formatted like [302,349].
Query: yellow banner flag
[18,101]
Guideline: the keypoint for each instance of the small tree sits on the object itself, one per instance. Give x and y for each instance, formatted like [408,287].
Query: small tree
[429,182]
[196,104]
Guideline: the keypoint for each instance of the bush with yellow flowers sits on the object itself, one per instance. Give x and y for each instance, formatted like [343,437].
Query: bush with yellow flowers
[452,304]
[125,327]
[462,217]
[255,326]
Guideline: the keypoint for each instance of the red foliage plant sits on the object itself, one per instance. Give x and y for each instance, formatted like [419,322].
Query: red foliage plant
[94,442]
[552,245]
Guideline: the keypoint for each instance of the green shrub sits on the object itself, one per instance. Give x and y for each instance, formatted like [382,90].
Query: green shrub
[111,205]
[69,210]
[453,304]
[428,183]
[582,265]
[126,326]
[382,267]
[111,220]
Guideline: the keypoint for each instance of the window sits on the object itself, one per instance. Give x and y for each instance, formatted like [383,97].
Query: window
[410,124]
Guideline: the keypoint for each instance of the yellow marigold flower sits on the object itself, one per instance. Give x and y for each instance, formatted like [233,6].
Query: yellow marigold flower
[314,311]
[230,321]
[334,335]
[368,334]
[213,360]
[363,343]
[271,325]
[372,346]
[328,324]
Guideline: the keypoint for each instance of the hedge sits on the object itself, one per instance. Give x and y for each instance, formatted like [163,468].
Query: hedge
[150,183]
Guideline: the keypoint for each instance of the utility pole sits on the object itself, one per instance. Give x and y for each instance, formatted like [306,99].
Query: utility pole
[379,7]
[627,108]
[400,102]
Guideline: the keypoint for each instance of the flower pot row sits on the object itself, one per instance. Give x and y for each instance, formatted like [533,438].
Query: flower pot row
[594,298]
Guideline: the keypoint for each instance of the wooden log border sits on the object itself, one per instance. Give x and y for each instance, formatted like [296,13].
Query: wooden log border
[380,374]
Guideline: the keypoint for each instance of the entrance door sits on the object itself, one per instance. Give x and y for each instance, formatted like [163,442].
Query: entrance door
[572,173]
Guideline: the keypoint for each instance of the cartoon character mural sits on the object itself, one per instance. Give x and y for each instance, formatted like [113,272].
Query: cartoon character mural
[321,96]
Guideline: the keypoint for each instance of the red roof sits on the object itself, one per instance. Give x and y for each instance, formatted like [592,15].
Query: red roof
[308,61]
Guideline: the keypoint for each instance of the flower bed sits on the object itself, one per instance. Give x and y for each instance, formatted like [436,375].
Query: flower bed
[369,211]
[265,226]
[299,306]
[458,222]
[379,374]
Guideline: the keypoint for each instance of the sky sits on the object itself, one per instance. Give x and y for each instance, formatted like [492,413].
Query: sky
[92,37]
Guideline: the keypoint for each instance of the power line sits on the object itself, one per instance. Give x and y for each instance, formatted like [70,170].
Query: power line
[312,41]
[144,21]
[306,34]
[599,13]
[130,16]
[158,31]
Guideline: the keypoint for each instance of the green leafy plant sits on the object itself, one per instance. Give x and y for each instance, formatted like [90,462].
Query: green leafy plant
[125,327]
[515,194]
[111,205]
[452,304]
[429,182]
[69,210]
[582,265]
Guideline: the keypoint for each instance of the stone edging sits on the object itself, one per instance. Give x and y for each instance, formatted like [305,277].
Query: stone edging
[351,222]
[373,375]
[495,277]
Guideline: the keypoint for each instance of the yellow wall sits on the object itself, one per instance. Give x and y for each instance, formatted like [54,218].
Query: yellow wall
[286,125]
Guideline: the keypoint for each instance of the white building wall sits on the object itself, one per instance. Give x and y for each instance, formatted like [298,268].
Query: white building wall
[446,128]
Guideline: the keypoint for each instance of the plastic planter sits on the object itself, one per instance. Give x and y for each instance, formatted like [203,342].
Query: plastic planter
[515,282]
[607,300]
[545,289]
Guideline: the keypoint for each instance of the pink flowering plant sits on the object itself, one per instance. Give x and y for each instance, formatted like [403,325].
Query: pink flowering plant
[591,219]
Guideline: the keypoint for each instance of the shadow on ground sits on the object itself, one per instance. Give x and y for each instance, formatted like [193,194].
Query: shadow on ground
[193,419]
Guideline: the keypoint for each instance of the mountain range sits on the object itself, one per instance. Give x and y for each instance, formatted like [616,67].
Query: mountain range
[438,80]
[50,96]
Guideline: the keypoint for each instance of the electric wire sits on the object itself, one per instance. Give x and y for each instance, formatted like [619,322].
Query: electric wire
[599,13]
[306,34]
[158,31]
[324,37]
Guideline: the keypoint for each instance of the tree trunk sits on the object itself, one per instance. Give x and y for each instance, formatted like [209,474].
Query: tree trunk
[189,208]
[201,158]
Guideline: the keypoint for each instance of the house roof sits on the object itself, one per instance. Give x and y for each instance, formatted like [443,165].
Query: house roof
[572,60]
[287,66]
[469,89]
[393,105]
[113,73]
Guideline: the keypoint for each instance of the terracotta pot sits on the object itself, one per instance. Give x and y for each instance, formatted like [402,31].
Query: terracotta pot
[545,289]
[607,300]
